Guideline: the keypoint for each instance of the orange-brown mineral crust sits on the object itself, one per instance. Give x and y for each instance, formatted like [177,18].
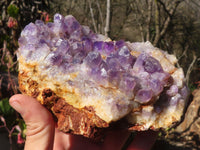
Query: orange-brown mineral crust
[70,119]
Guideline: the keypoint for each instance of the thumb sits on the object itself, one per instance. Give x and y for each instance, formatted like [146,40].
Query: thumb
[39,122]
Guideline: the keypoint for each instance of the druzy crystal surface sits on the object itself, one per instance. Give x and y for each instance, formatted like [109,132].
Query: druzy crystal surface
[116,78]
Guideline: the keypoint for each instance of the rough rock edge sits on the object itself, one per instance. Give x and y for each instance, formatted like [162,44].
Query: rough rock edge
[69,119]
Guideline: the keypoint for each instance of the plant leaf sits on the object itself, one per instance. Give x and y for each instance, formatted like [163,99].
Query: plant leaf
[13,10]
[5,107]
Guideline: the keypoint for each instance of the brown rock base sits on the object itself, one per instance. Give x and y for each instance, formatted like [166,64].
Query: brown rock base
[73,120]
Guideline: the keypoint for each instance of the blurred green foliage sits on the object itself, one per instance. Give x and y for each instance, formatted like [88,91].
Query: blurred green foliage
[13,11]
[8,113]
[5,108]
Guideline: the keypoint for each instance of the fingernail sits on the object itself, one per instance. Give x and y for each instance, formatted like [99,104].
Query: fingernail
[16,105]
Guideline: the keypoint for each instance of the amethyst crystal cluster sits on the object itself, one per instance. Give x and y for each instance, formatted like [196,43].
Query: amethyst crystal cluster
[117,78]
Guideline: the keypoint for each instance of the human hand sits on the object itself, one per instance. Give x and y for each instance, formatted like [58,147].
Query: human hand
[42,133]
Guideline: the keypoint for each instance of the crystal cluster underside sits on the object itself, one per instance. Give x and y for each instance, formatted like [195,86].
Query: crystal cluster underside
[118,79]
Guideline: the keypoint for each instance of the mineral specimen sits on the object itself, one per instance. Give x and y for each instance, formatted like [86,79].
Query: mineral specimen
[89,81]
